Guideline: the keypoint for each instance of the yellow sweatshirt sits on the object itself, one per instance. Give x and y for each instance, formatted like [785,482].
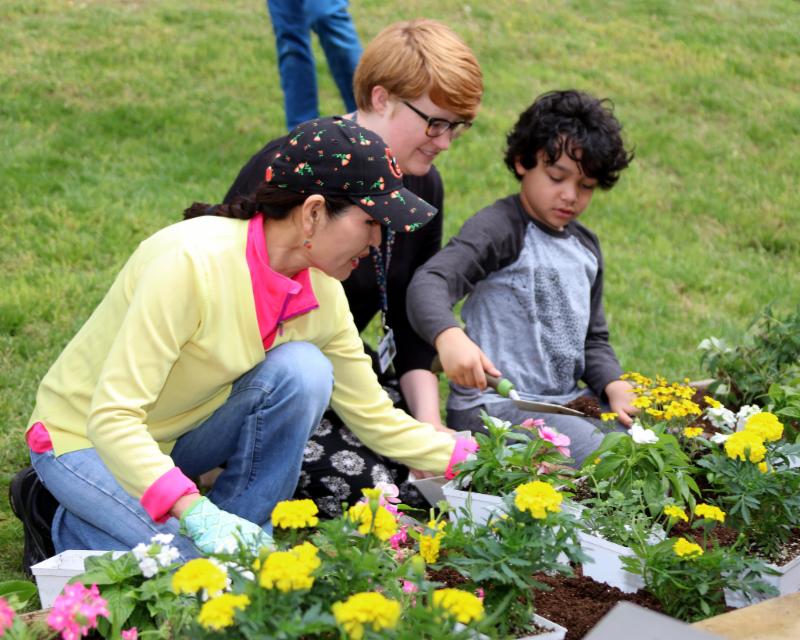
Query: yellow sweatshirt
[177,327]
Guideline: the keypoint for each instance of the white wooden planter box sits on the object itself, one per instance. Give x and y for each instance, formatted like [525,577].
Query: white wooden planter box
[483,505]
[606,563]
[787,582]
[553,631]
[53,574]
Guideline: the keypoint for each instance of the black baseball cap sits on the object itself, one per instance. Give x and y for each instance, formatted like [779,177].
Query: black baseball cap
[337,157]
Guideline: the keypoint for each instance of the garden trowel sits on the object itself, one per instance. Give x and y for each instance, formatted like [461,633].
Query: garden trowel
[505,388]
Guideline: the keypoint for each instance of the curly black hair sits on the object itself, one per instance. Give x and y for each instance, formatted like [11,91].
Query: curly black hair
[574,123]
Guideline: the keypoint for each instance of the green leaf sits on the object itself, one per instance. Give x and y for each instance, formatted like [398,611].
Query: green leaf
[20,591]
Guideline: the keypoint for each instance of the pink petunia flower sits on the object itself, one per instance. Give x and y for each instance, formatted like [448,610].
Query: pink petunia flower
[409,587]
[532,423]
[6,616]
[480,593]
[558,440]
[76,610]
[130,634]
[400,537]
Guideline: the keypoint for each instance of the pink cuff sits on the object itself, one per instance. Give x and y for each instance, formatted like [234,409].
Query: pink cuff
[463,448]
[164,492]
[38,438]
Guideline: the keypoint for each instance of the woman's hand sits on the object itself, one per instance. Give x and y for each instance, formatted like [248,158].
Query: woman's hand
[462,360]
[620,395]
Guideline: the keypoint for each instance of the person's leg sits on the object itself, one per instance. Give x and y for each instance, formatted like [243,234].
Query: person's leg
[95,512]
[295,60]
[261,431]
[337,465]
[337,34]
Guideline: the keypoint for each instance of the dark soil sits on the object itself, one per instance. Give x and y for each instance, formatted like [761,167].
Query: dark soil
[586,404]
[578,603]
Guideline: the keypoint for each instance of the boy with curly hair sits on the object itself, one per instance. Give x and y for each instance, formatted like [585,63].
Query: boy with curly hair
[533,276]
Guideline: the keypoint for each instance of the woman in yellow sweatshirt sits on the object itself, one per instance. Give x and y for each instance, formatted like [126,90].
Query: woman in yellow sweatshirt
[222,340]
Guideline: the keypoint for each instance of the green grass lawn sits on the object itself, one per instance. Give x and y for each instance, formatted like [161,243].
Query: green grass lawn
[115,115]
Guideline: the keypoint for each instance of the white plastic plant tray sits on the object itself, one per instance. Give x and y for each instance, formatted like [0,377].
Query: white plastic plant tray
[53,574]
[787,581]
[552,631]
[430,488]
[605,564]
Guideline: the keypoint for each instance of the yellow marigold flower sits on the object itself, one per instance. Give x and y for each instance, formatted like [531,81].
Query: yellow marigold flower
[766,425]
[537,498]
[743,443]
[429,548]
[692,432]
[762,467]
[641,402]
[199,574]
[307,554]
[385,524]
[674,512]
[218,612]
[369,494]
[709,512]
[685,549]
[366,609]
[290,570]
[608,417]
[712,402]
[656,413]
[295,514]
[464,607]
[597,460]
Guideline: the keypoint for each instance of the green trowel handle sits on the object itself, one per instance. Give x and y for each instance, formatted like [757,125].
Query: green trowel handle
[503,386]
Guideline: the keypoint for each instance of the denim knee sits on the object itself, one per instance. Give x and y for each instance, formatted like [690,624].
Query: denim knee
[304,371]
[291,370]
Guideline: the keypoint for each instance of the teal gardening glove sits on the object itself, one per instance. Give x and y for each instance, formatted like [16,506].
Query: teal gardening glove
[216,531]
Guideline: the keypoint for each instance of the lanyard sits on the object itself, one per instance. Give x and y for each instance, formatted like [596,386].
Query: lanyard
[381,263]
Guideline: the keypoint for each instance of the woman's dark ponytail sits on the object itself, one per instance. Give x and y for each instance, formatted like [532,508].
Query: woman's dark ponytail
[273,202]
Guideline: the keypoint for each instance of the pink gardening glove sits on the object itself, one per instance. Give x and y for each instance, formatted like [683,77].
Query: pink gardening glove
[464,447]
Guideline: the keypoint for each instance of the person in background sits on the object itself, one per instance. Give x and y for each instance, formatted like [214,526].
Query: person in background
[221,342]
[533,275]
[292,22]
[418,86]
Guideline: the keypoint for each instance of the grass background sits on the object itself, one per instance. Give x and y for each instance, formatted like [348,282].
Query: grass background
[115,115]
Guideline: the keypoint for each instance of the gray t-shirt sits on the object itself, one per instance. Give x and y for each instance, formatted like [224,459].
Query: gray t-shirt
[534,306]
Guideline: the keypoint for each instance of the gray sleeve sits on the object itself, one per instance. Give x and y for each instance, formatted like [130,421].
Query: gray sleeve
[601,363]
[488,241]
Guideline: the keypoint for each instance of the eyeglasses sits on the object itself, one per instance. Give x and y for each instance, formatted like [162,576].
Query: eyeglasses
[438,126]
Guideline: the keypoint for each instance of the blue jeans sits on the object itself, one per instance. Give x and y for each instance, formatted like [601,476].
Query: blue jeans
[292,22]
[259,433]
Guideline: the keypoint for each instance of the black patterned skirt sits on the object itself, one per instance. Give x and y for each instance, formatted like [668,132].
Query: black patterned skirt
[337,465]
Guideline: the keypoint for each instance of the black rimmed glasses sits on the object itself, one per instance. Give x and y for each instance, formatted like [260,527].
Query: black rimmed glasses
[438,126]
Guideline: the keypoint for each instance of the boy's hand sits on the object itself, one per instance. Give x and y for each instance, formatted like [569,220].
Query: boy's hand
[620,395]
[462,360]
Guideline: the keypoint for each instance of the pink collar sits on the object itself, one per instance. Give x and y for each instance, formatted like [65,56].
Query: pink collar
[277,298]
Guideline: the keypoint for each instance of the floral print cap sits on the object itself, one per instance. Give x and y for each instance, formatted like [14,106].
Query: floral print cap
[337,157]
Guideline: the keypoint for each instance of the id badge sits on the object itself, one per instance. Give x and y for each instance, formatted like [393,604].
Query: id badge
[386,350]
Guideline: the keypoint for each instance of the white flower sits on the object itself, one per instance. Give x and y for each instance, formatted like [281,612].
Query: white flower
[500,424]
[744,414]
[721,418]
[148,567]
[140,551]
[162,538]
[719,438]
[641,435]
[167,555]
